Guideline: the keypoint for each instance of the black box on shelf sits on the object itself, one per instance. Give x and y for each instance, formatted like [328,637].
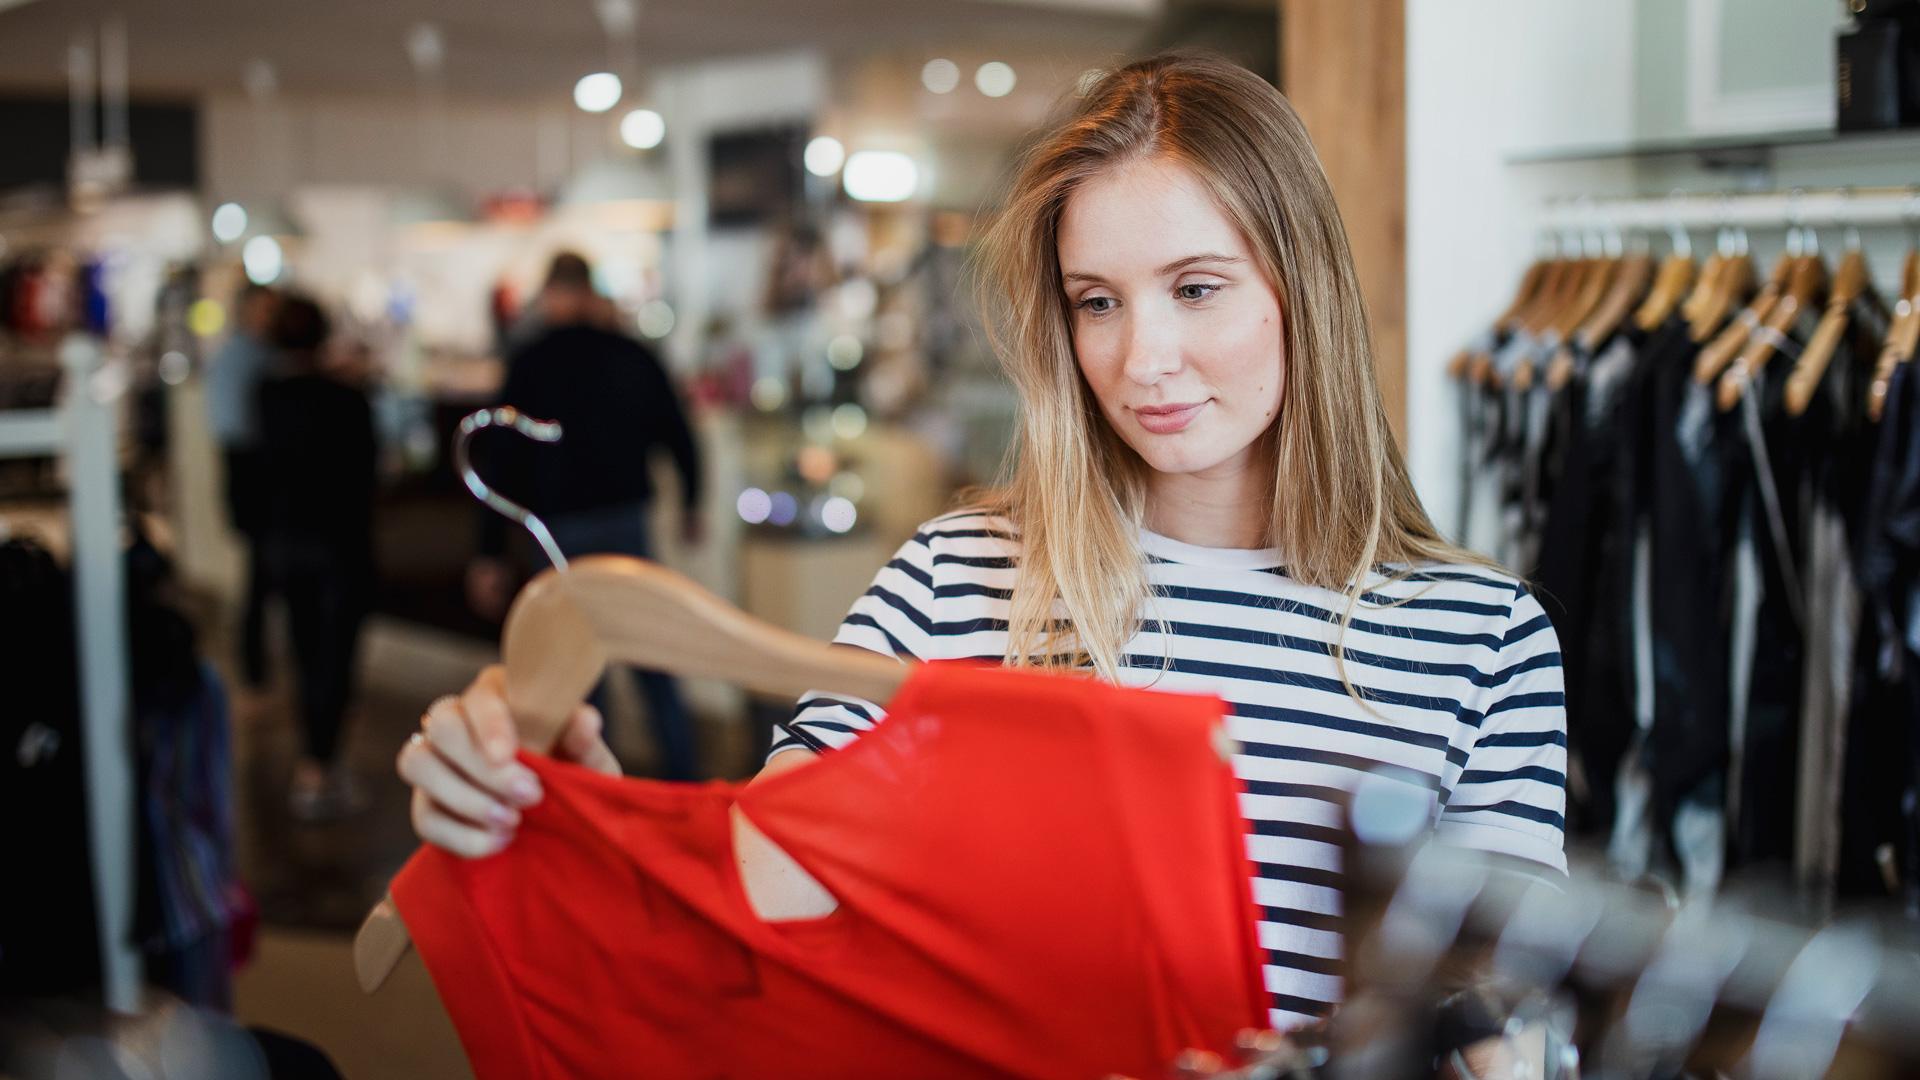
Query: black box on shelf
[1877,74]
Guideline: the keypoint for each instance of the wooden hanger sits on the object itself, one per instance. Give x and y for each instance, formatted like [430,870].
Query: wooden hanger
[1705,287]
[572,620]
[1805,280]
[1556,281]
[1672,282]
[1477,364]
[1670,286]
[1850,280]
[1902,338]
[564,628]
[1580,291]
[1629,284]
[1722,348]
[1530,283]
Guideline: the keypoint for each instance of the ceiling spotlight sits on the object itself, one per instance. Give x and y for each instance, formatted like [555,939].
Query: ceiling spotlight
[940,76]
[881,176]
[825,155]
[262,260]
[643,129]
[229,222]
[598,92]
[994,79]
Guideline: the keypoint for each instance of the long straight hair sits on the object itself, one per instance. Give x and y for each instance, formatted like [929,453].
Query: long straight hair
[1342,505]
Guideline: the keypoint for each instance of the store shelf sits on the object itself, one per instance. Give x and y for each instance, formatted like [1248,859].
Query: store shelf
[1730,148]
[31,433]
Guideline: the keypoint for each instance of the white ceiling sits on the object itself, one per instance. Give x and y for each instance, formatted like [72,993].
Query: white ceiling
[518,48]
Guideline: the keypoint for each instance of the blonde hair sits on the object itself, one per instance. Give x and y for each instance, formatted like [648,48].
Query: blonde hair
[1342,501]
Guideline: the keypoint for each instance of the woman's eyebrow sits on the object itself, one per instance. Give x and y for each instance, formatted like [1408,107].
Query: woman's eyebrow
[1173,267]
[1181,264]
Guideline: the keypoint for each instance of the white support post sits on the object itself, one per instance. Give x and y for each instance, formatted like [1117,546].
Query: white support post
[90,414]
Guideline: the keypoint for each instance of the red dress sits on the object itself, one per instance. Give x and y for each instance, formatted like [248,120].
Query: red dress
[1037,876]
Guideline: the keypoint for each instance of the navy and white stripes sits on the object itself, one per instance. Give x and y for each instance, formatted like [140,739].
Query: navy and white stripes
[1459,667]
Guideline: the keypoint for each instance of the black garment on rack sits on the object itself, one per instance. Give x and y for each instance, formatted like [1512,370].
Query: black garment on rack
[48,933]
[1586,555]
[1774,521]
[1838,444]
[1881,764]
[184,772]
[1682,491]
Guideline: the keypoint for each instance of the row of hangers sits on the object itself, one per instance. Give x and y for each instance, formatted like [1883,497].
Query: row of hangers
[1586,292]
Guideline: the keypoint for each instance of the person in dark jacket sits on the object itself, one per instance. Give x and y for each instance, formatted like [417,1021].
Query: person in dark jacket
[319,454]
[593,489]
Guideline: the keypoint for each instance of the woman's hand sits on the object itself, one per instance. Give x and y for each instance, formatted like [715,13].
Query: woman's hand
[468,790]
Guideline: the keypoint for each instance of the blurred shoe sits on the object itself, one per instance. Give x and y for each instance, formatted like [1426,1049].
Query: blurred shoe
[317,797]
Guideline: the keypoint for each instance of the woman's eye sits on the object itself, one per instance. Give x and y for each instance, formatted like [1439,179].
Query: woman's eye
[1099,305]
[1196,291]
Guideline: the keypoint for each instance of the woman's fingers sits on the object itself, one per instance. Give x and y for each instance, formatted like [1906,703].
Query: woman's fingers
[581,742]
[485,705]
[451,736]
[443,830]
[452,792]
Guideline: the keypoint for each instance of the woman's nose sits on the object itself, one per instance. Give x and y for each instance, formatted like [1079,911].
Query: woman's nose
[1152,351]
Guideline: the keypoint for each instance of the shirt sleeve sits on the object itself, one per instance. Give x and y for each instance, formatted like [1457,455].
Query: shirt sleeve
[1511,798]
[894,617]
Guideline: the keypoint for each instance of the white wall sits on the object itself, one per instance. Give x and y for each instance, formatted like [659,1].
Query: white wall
[1492,81]
[1487,79]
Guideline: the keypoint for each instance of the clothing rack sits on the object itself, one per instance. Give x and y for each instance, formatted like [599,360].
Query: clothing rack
[1817,208]
[82,430]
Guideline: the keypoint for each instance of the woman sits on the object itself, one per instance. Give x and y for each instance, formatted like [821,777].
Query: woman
[1206,498]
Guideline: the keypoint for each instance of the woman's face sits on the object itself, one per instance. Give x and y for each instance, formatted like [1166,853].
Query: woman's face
[1174,326]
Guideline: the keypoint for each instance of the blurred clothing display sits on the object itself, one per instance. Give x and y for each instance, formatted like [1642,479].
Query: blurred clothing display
[1702,527]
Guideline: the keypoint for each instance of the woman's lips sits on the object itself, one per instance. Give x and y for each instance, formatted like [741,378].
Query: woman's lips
[1167,419]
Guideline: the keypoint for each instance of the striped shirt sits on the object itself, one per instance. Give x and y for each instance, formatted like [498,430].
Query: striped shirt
[1463,683]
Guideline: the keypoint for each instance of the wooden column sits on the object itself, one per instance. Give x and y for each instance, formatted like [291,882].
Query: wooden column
[1344,67]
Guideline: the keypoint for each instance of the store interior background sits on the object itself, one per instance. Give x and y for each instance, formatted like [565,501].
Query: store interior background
[408,159]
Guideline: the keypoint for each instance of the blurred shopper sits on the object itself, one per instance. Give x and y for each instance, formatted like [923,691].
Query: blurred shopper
[593,489]
[233,413]
[318,456]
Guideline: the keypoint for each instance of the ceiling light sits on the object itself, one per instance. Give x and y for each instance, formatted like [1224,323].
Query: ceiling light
[825,155]
[262,260]
[598,92]
[994,79]
[229,222]
[940,76]
[643,129]
[881,176]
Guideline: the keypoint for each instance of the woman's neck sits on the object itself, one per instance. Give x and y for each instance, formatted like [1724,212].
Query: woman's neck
[1227,506]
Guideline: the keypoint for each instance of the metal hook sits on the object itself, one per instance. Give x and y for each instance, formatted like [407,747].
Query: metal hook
[1676,233]
[1796,223]
[1724,239]
[547,431]
[1846,218]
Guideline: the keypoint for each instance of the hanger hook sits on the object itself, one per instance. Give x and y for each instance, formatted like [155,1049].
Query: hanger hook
[1676,233]
[547,431]
[1796,222]
[1846,217]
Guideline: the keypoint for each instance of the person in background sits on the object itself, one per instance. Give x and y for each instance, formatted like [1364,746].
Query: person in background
[318,456]
[616,406]
[233,383]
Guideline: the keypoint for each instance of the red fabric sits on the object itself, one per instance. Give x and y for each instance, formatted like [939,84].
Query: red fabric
[1038,877]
